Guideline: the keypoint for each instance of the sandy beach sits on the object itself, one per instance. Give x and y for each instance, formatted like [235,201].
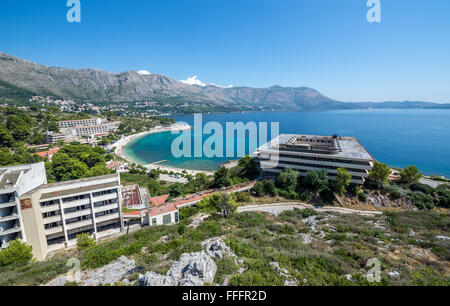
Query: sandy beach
[121,143]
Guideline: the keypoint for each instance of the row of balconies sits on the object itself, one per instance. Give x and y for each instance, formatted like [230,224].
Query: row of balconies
[83,223]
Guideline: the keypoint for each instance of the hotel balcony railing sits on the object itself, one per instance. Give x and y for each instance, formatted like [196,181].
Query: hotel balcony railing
[45,209]
[74,225]
[79,213]
[15,229]
[107,217]
[54,230]
[105,197]
[51,219]
[106,207]
[9,218]
[76,203]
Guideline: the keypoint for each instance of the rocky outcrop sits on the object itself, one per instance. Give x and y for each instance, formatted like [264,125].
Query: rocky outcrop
[312,222]
[216,247]
[110,274]
[192,269]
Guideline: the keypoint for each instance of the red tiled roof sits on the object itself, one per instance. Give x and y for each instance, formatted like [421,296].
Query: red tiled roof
[158,201]
[163,209]
[47,153]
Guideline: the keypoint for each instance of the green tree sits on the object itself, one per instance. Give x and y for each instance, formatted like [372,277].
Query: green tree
[19,129]
[380,174]
[343,179]
[269,187]
[17,253]
[176,190]
[249,167]
[6,140]
[317,180]
[410,175]
[287,180]
[221,178]
[84,241]
[258,189]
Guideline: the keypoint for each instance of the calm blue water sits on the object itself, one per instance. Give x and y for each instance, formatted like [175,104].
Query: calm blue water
[396,137]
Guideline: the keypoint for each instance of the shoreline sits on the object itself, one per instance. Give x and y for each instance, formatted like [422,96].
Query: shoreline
[123,142]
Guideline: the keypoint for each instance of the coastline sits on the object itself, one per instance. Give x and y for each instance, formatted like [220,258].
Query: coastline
[123,142]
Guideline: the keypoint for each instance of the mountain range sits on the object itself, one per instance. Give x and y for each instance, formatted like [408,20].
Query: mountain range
[20,78]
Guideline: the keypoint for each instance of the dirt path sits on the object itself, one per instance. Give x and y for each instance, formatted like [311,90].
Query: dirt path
[277,208]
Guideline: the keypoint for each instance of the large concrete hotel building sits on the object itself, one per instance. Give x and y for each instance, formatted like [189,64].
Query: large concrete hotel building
[308,152]
[50,216]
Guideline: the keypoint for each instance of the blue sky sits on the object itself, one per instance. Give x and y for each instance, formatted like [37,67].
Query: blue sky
[324,44]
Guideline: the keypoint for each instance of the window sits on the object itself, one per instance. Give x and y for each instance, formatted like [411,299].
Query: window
[154,221]
[167,219]
[176,217]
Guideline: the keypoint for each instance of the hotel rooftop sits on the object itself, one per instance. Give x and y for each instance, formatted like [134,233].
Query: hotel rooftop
[337,146]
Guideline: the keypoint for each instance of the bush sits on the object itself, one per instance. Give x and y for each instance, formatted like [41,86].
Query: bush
[421,187]
[362,197]
[305,196]
[327,195]
[17,253]
[258,189]
[84,241]
[395,192]
[307,212]
[181,228]
[444,198]
[269,187]
[242,197]
[421,201]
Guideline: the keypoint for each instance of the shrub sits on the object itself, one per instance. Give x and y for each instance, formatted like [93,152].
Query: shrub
[258,189]
[362,197]
[305,196]
[421,187]
[181,228]
[17,253]
[395,192]
[327,195]
[242,197]
[421,201]
[269,187]
[444,198]
[84,241]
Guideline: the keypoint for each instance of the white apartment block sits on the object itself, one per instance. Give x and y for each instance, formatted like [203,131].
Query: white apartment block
[76,123]
[52,137]
[103,128]
[15,181]
[303,153]
[54,214]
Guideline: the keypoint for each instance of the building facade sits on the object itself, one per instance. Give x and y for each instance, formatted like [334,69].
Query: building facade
[14,182]
[54,214]
[84,122]
[103,128]
[310,152]
[52,137]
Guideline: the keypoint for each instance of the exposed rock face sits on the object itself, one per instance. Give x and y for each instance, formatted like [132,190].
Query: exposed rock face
[193,269]
[289,281]
[107,275]
[312,222]
[216,247]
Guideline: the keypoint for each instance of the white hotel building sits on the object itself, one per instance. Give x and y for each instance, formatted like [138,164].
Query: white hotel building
[54,214]
[15,181]
[309,152]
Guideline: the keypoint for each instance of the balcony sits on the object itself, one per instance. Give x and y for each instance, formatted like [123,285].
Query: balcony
[105,197]
[51,219]
[106,207]
[13,230]
[8,204]
[107,217]
[76,203]
[54,230]
[79,224]
[9,218]
[79,213]
[46,209]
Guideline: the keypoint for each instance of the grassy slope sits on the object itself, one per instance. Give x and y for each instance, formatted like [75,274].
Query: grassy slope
[349,241]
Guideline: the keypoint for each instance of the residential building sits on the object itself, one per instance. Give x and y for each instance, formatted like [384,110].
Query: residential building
[14,182]
[54,214]
[49,153]
[309,152]
[162,215]
[78,123]
[91,130]
[52,137]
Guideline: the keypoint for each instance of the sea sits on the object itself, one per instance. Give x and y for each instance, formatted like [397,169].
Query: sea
[397,137]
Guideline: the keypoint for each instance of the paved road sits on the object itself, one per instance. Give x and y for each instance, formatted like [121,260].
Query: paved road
[431,183]
[277,208]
